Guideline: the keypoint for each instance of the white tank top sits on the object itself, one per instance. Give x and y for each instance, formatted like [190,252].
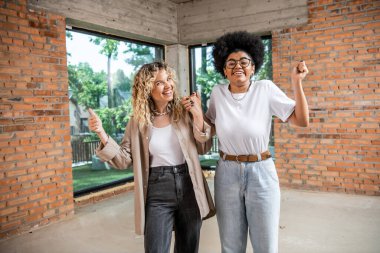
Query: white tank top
[164,147]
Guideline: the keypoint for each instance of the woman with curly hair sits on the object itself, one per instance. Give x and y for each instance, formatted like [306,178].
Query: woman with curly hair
[162,142]
[247,193]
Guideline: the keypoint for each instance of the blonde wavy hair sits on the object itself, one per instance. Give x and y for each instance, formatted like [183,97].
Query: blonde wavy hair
[142,101]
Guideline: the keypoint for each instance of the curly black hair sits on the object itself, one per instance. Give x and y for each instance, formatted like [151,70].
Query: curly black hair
[237,41]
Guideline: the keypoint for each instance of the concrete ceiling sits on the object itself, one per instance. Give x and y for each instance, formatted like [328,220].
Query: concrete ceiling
[180,1]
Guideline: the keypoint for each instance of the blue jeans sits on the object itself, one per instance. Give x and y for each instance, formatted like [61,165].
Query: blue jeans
[247,198]
[171,204]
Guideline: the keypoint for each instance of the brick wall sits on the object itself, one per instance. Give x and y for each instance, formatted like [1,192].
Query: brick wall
[340,150]
[35,152]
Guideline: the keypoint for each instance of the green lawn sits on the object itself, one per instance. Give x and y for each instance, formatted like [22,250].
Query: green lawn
[84,176]
[209,163]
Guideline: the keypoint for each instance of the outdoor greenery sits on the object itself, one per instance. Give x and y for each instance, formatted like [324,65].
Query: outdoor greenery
[209,163]
[84,176]
[138,55]
[88,86]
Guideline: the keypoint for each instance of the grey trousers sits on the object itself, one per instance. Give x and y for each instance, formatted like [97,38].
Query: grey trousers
[171,203]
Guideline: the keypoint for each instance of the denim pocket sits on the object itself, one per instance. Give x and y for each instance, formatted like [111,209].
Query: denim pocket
[154,177]
[271,169]
[227,173]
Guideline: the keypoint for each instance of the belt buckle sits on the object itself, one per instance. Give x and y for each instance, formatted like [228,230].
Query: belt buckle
[258,157]
[237,159]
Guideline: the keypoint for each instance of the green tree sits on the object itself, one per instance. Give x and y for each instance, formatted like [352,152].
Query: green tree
[121,81]
[109,116]
[266,71]
[138,54]
[109,48]
[207,77]
[207,80]
[123,114]
[69,36]
[87,86]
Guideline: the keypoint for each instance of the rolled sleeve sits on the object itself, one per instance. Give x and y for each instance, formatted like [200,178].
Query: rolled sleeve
[109,151]
[202,136]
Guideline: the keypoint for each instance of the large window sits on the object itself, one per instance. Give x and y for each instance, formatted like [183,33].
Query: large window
[204,77]
[101,70]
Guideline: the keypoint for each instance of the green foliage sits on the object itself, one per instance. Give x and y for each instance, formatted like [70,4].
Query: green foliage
[87,86]
[109,47]
[114,120]
[139,55]
[69,36]
[266,71]
[84,176]
[207,81]
[207,77]
[123,114]
[107,117]
[121,81]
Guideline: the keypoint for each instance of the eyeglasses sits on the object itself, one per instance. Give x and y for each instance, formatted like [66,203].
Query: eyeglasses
[244,62]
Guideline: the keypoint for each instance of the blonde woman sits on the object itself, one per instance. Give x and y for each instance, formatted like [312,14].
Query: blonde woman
[162,142]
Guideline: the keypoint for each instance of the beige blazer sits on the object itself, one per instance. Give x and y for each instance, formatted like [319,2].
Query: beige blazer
[134,150]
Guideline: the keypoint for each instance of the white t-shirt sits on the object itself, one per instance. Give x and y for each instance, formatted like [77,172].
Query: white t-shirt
[243,127]
[164,147]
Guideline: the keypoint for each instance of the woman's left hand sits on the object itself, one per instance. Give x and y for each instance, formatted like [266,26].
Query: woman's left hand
[299,72]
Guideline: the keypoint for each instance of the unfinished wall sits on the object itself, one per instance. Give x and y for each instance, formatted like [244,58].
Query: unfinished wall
[204,20]
[341,149]
[152,21]
[35,152]
[339,152]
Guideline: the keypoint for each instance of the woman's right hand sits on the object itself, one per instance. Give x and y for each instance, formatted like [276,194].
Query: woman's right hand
[94,122]
[193,104]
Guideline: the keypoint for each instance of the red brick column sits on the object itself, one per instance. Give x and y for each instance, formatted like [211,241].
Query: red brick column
[35,152]
[340,150]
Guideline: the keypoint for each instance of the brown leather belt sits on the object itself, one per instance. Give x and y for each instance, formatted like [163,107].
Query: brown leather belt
[245,158]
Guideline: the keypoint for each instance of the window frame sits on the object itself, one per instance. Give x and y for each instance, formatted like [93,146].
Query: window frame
[118,182]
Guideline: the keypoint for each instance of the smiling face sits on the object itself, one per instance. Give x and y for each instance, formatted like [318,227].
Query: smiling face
[239,75]
[163,89]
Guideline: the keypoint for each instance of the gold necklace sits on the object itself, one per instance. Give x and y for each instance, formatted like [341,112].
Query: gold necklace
[159,114]
[240,99]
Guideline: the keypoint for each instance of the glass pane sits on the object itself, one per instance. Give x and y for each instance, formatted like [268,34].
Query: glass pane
[101,71]
[204,78]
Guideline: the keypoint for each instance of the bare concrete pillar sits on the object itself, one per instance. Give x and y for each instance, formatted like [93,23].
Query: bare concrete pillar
[177,57]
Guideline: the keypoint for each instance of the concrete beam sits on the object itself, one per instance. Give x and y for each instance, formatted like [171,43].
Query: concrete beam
[153,21]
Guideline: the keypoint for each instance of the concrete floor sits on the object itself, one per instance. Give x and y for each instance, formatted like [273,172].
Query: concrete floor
[310,222]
